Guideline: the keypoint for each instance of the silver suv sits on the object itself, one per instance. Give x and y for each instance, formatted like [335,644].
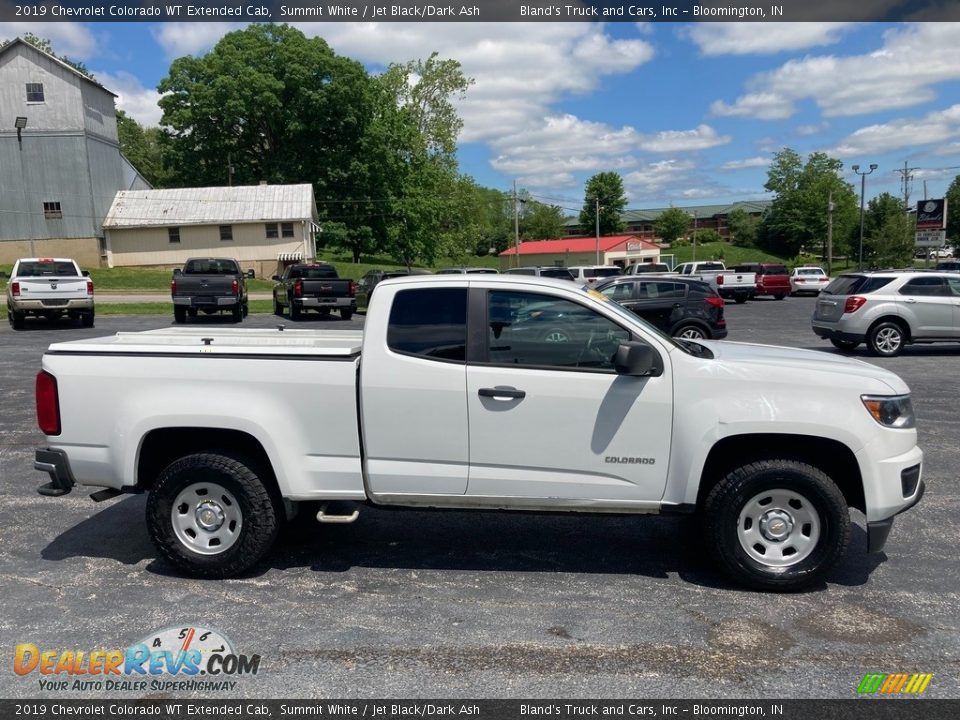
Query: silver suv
[889,309]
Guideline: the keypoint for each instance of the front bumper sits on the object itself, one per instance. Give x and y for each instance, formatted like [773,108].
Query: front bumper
[56,464]
[879,530]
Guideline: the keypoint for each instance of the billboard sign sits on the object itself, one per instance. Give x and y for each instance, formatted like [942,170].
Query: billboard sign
[932,214]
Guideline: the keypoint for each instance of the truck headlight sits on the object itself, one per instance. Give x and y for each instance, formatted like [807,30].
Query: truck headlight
[894,411]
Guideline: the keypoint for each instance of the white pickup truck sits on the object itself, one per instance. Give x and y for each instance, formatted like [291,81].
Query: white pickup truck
[482,391]
[49,287]
[729,284]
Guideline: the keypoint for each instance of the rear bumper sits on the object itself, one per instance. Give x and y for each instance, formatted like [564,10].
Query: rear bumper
[53,305]
[829,333]
[736,292]
[207,302]
[312,302]
[56,464]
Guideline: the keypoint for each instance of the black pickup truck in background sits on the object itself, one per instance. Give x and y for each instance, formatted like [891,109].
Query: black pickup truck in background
[209,285]
[313,287]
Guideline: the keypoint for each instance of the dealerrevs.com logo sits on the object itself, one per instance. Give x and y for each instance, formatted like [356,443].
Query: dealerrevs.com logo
[894,683]
[181,659]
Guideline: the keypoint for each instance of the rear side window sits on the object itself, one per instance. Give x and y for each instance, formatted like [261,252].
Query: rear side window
[655,290]
[925,286]
[430,323]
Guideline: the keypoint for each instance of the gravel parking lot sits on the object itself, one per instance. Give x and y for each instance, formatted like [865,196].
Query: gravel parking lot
[453,604]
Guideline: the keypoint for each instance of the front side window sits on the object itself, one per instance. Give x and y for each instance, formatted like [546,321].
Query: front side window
[659,290]
[430,323]
[35,92]
[926,286]
[226,232]
[535,330]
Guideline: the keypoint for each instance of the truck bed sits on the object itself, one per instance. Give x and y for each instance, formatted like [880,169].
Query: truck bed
[236,342]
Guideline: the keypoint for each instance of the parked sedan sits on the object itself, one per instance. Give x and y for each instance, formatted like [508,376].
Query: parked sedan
[682,307]
[808,279]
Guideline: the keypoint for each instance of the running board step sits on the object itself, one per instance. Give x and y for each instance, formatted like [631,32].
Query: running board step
[325,517]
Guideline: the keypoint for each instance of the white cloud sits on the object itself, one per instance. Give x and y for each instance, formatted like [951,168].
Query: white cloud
[936,127]
[191,38]
[807,130]
[901,73]
[74,40]
[669,141]
[137,101]
[754,162]
[746,38]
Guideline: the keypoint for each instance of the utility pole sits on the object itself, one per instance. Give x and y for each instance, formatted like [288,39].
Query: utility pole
[597,201]
[829,257]
[516,222]
[229,171]
[906,177]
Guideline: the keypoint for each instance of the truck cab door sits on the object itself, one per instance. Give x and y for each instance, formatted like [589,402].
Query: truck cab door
[413,405]
[549,418]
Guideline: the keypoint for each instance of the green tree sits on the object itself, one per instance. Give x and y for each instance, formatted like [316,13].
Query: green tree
[953,211]
[143,147]
[541,221]
[887,233]
[672,224]
[743,227]
[607,187]
[798,215]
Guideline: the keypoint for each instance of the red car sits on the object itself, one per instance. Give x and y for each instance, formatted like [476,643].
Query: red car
[772,278]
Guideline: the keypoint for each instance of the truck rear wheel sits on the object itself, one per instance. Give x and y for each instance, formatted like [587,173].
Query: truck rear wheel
[346,313]
[777,525]
[16,319]
[211,515]
[87,319]
[179,314]
[294,311]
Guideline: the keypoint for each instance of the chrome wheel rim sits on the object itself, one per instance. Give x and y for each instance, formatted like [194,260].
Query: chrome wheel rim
[206,518]
[888,340]
[692,334]
[778,528]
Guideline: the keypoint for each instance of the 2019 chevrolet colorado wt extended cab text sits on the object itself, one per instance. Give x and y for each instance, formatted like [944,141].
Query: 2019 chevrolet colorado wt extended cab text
[460,393]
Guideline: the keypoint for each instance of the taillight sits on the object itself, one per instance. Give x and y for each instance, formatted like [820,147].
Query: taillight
[719,279]
[173,287]
[48,404]
[15,289]
[298,288]
[854,303]
[89,287]
[235,287]
[714,300]
[353,288]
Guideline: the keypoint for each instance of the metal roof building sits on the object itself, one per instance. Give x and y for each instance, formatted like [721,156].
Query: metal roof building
[262,226]
[614,249]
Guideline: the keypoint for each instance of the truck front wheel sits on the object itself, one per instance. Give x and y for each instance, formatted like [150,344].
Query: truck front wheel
[211,515]
[777,525]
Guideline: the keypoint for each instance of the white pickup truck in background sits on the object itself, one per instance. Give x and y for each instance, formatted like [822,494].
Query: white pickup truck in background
[729,284]
[49,287]
[459,393]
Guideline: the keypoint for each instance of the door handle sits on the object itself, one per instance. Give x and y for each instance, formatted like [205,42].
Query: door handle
[502,393]
[910,301]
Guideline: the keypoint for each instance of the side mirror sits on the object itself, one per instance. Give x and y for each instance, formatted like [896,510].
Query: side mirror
[276,278]
[251,274]
[85,273]
[638,359]
[176,271]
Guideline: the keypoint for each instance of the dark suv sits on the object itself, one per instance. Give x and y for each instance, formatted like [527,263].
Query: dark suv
[681,307]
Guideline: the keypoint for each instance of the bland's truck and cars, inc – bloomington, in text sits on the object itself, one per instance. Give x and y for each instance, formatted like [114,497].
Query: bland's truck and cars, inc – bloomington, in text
[458,394]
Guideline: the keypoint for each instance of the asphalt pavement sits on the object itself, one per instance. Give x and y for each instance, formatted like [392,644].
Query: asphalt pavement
[486,605]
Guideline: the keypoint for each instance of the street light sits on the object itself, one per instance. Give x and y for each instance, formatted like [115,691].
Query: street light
[20,123]
[596,201]
[693,214]
[863,187]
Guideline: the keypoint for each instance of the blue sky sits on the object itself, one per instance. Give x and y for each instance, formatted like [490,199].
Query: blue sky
[687,114]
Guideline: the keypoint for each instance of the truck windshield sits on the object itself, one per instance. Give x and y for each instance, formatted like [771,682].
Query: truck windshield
[47,268]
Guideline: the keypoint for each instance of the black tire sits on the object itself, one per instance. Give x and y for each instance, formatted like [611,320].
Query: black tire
[179,315]
[886,339]
[844,344]
[295,311]
[16,319]
[740,299]
[817,527]
[237,313]
[690,331]
[246,309]
[87,319]
[235,489]
[277,307]
[346,313]
[779,297]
